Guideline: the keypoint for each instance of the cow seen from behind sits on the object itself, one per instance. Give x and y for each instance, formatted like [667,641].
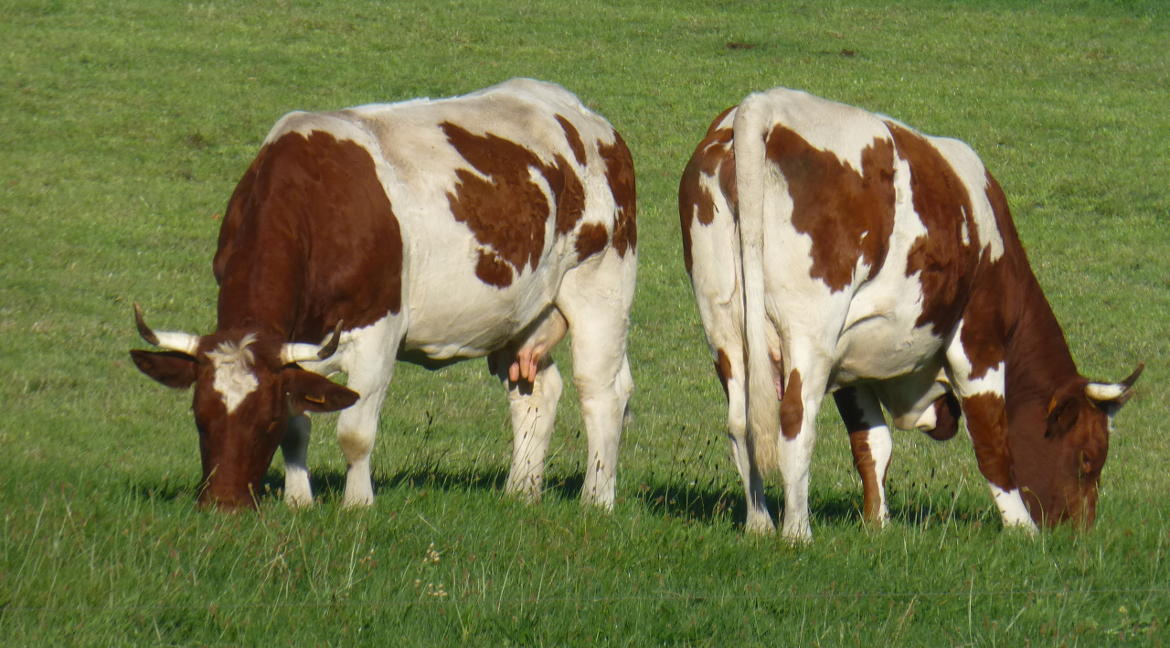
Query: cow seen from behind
[835,250]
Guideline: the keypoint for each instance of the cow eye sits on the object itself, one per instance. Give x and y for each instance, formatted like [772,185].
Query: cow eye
[1086,464]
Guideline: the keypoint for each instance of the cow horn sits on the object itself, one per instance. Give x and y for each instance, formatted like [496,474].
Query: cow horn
[1117,393]
[169,340]
[1128,382]
[294,352]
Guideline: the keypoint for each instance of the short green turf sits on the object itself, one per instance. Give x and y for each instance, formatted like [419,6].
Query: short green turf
[125,125]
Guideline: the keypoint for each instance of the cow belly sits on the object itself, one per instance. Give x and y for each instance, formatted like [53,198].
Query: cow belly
[882,348]
[471,323]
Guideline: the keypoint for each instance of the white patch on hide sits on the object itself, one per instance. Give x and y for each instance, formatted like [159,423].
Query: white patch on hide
[1011,508]
[234,378]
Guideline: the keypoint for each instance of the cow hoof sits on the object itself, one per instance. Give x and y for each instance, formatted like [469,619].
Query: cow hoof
[797,534]
[592,499]
[759,525]
[1027,529]
[356,502]
[525,491]
[298,500]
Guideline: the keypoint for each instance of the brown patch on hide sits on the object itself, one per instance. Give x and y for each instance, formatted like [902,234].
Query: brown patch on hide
[492,270]
[591,239]
[847,213]
[619,173]
[792,406]
[945,263]
[573,138]
[723,368]
[505,210]
[713,156]
[309,239]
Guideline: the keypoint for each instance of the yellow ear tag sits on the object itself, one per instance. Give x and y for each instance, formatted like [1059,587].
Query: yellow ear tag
[320,400]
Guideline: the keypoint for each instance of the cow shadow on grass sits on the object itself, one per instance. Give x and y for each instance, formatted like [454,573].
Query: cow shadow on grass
[168,491]
[707,504]
[837,508]
[710,505]
[329,485]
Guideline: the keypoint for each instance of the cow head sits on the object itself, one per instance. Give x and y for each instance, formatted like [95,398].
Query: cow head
[1059,472]
[247,387]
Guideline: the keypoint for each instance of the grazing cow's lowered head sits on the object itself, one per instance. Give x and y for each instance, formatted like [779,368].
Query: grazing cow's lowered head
[247,388]
[1058,461]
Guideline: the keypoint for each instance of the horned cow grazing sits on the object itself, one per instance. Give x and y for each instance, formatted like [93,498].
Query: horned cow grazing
[490,224]
[834,250]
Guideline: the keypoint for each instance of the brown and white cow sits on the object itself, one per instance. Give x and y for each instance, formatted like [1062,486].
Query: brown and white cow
[834,250]
[429,231]
[708,218]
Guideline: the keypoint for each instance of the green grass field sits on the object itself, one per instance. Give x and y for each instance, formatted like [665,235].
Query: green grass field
[124,127]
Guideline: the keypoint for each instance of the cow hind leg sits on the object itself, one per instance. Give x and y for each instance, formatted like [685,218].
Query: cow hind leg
[533,416]
[729,368]
[871,443]
[805,381]
[534,388]
[596,301]
[941,420]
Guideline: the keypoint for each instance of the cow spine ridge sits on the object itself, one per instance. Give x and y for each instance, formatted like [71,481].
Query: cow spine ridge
[751,175]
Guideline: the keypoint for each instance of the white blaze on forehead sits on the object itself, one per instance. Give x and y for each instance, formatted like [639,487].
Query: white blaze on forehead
[234,378]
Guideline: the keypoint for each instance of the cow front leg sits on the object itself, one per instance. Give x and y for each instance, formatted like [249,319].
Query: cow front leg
[980,391]
[871,443]
[595,299]
[356,431]
[295,449]
[534,388]
[370,364]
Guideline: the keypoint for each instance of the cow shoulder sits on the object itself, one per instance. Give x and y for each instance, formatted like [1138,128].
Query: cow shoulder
[310,230]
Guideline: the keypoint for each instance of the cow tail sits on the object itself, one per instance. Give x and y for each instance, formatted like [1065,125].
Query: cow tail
[751,176]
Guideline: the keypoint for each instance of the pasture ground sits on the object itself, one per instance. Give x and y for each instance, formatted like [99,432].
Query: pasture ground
[124,127]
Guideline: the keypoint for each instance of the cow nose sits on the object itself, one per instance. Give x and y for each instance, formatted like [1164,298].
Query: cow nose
[226,500]
[1084,515]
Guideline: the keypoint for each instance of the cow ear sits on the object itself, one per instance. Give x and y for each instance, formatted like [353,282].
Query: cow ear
[1062,415]
[312,392]
[170,368]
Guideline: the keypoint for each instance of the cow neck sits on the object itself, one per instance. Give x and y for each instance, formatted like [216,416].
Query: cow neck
[260,290]
[1038,358]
